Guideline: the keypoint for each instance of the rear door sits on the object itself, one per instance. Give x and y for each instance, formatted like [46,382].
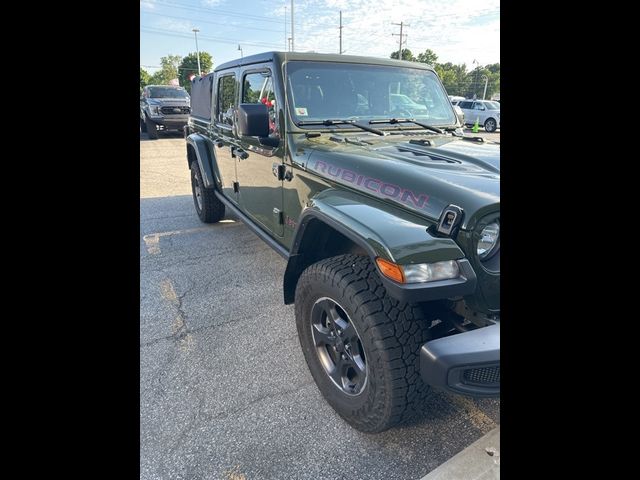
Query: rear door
[257,163]
[479,112]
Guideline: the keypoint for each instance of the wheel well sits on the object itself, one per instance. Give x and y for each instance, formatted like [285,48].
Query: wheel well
[191,155]
[320,241]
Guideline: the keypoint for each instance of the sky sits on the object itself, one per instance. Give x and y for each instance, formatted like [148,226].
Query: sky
[458,31]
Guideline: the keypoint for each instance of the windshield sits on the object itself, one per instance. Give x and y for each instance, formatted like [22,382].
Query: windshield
[167,92]
[322,90]
[492,105]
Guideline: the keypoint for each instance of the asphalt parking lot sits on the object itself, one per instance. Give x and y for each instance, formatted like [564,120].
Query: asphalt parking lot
[224,388]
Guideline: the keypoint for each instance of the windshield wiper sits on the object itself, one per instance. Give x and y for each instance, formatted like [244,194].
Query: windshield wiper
[406,120]
[329,122]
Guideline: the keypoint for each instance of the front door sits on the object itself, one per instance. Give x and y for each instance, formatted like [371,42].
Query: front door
[260,190]
[223,135]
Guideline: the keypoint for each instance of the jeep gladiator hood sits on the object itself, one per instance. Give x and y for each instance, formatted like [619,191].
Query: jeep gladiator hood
[423,173]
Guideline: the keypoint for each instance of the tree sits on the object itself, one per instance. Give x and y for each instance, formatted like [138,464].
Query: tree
[168,71]
[455,78]
[189,65]
[428,56]
[144,79]
[406,55]
[158,79]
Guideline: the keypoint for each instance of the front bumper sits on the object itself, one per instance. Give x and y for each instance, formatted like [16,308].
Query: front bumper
[174,122]
[467,363]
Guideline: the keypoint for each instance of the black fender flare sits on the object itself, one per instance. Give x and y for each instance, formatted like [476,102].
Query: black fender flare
[205,156]
[297,260]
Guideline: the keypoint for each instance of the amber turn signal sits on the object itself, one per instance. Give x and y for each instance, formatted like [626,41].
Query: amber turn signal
[390,270]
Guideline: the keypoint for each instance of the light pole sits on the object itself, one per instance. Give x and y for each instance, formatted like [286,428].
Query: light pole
[195,32]
[240,48]
[486,81]
[475,84]
[293,45]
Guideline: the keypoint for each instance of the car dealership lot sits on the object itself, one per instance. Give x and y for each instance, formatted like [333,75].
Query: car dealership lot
[224,389]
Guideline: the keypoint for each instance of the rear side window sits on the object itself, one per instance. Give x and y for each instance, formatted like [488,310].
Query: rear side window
[226,99]
[465,104]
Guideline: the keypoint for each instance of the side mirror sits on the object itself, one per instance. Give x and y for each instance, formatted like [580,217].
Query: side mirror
[253,120]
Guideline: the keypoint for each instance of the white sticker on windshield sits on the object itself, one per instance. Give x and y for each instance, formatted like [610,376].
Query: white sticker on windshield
[301,111]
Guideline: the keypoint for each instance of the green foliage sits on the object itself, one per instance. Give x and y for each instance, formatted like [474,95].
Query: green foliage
[455,78]
[144,79]
[428,56]
[406,55]
[157,79]
[170,65]
[189,65]
[167,72]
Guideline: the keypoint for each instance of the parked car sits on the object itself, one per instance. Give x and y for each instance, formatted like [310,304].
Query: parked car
[455,99]
[459,113]
[389,225]
[163,107]
[404,105]
[486,112]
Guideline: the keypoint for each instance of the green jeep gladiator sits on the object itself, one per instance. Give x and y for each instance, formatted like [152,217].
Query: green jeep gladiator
[387,215]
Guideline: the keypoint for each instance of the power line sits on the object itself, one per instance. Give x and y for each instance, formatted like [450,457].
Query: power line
[217,11]
[206,21]
[172,33]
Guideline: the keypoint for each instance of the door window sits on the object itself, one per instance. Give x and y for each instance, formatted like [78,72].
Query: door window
[226,102]
[258,88]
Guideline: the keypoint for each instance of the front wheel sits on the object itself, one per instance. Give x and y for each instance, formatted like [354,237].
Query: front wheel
[152,129]
[143,126]
[490,125]
[362,346]
[208,207]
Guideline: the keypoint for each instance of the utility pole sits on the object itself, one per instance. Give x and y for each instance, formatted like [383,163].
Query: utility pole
[286,46]
[340,32]
[293,46]
[486,81]
[402,24]
[195,32]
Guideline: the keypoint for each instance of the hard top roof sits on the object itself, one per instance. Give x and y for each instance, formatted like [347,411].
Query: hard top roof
[318,57]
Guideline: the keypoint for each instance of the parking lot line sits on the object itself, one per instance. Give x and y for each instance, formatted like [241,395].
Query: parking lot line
[152,241]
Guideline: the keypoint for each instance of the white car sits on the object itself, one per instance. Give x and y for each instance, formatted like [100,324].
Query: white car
[405,105]
[486,112]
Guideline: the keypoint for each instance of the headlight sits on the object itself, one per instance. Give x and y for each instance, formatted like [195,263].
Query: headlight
[418,273]
[154,109]
[430,272]
[489,240]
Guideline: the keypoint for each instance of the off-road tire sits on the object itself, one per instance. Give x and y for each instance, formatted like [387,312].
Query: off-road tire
[152,130]
[143,126]
[210,209]
[490,125]
[391,333]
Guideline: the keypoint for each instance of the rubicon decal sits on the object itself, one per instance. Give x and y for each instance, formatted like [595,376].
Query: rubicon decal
[375,185]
